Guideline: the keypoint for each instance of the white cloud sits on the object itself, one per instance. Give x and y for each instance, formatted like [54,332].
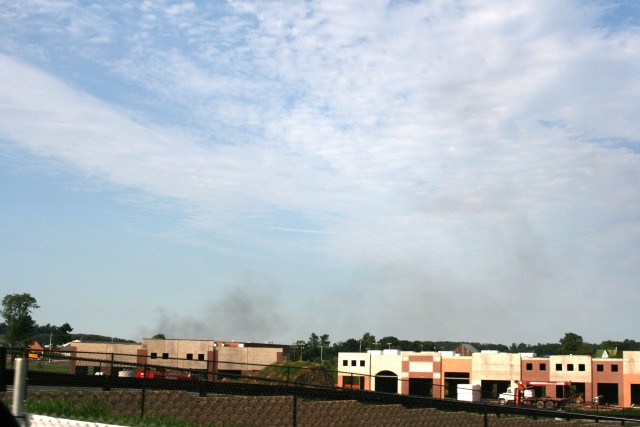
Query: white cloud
[452,148]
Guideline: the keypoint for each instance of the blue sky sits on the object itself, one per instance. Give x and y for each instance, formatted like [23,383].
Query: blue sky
[463,170]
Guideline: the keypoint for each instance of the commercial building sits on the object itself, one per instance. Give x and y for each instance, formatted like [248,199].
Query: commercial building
[204,356]
[437,374]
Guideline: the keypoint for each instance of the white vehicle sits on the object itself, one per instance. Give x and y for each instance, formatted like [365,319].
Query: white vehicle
[523,394]
[508,397]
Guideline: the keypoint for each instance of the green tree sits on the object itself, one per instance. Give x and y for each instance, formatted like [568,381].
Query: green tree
[312,347]
[298,347]
[158,337]
[390,342]
[349,346]
[416,345]
[325,349]
[62,334]
[317,348]
[20,326]
[368,342]
[573,343]
[628,344]
[519,348]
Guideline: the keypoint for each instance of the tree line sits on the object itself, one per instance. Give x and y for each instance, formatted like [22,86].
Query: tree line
[20,330]
[319,348]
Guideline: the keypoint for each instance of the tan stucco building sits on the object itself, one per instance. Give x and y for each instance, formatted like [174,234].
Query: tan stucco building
[438,374]
[204,356]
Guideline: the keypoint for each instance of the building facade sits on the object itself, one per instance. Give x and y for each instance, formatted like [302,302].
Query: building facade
[202,356]
[437,374]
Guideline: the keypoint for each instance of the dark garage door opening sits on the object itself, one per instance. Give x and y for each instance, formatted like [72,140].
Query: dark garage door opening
[421,387]
[451,381]
[386,382]
[491,389]
[609,393]
[635,394]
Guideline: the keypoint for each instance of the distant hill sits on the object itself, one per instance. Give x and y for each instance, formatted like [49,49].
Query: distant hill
[100,338]
[43,339]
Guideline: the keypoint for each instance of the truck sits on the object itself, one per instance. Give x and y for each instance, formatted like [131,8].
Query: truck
[161,374]
[523,393]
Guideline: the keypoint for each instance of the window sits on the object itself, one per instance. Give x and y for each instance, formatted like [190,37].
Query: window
[200,356]
[614,368]
[345,363]
[600,367]
[558,366]
[165,355]
[582,367]
[570,367]
[362,363]
[543,366]
[189,356]
[353,363]
[154,355]
[529,366]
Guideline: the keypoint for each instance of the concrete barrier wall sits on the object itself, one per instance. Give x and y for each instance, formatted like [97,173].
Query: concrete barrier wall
[271,411]
[44,421]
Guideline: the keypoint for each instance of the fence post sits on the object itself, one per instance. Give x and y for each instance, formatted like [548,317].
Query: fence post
[143,391]
[106,385]
[295,410]
[3,368]
[19,386]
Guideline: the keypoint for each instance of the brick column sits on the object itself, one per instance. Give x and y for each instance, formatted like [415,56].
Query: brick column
[212,364]
[72,362]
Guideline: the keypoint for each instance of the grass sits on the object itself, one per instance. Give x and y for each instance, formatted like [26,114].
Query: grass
[65,408]
[283,371]
[289,371]
[97,411]
[46,366]
[43,364]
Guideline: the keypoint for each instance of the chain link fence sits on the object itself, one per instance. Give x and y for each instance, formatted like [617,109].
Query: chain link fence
[227,393]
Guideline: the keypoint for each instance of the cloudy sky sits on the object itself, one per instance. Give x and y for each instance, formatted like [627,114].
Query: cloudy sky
[461,170]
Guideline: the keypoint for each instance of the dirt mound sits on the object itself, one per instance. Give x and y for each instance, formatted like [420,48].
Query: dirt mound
[316,376]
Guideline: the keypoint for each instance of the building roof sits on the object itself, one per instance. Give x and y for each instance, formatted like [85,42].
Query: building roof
[35,346]
[469,347]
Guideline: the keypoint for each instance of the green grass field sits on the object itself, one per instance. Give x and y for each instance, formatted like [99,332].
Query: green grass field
[46,366]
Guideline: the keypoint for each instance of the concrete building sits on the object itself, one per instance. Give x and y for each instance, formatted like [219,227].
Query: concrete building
[437,374]
[101,358]
[203,356]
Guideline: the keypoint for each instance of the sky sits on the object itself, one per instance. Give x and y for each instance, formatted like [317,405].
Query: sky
[261,170]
